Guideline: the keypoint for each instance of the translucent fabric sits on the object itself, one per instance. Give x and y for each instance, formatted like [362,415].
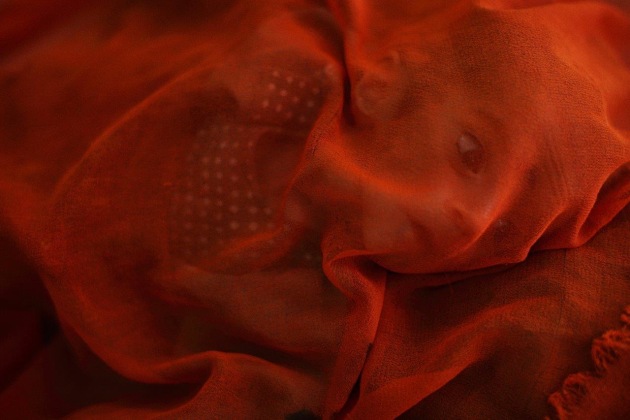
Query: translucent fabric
[307,209]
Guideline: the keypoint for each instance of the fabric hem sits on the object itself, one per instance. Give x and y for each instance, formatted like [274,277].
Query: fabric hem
[606,352]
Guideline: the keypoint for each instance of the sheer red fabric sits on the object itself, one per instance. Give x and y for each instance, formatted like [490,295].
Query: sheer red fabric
[309,209]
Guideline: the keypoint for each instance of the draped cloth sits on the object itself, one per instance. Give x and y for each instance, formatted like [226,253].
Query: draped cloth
[306,209]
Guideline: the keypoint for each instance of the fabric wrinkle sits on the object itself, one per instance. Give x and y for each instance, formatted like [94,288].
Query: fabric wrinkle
[310,209]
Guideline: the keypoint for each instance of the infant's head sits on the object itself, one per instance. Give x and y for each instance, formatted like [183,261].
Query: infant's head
[476,135]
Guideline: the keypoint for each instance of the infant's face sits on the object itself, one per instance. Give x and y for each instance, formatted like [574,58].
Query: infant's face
[454,159]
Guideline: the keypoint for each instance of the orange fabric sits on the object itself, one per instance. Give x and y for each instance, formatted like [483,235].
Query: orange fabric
[305,209]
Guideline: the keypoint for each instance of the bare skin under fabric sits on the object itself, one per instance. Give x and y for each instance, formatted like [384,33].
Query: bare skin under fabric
[308,209]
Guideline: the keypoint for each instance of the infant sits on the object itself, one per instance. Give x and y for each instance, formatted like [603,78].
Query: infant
[474,139]
[220,197]
[454,141]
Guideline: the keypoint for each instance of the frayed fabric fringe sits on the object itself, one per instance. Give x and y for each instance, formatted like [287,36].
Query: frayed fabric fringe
[605,392]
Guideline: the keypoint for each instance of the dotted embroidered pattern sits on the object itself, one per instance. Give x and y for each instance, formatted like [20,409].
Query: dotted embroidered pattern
[219,199]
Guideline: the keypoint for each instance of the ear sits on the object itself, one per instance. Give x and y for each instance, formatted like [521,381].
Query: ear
[612,198]
[379,89]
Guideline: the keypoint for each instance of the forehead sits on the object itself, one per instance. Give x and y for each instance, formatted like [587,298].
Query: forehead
[519,57]
[495,54]
[486,56]
[510,66]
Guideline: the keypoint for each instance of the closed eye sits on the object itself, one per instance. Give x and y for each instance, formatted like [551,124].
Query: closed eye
[471,152]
